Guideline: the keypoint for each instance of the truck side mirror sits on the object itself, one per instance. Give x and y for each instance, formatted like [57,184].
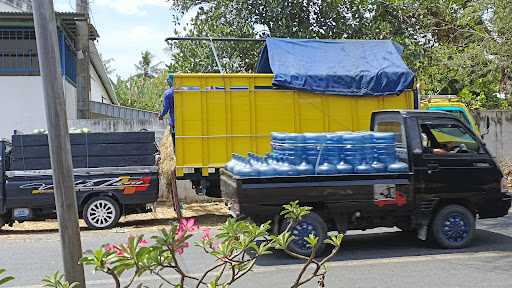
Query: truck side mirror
[487,126]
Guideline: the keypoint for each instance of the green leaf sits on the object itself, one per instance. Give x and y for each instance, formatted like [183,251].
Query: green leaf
[56,280]
[6,279]
[312,240]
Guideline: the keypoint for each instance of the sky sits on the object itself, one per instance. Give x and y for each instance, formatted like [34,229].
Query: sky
[126,28]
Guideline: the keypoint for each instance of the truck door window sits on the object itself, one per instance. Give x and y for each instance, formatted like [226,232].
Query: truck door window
[396,127]
[446,139]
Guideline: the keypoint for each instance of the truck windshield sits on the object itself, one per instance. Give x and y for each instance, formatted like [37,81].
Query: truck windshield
[449,137]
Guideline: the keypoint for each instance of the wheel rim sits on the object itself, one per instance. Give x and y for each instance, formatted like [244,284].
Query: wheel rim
[300,231]
[101,213]
[455,228]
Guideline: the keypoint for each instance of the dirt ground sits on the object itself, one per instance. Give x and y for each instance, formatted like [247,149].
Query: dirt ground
[207,214]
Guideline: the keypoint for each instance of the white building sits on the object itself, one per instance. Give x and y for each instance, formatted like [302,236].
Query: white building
[21,96]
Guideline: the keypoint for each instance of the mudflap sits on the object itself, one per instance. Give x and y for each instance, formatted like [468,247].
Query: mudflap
[422,231]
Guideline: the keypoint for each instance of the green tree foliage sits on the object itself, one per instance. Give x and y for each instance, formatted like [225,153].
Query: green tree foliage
[146,68]
[141,92]
[145,89]
[454,46]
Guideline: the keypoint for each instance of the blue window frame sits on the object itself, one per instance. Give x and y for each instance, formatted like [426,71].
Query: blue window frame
[18,53]
[67,59]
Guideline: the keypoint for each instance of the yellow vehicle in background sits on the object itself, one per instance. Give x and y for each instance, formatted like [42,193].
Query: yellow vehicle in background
[451,104]
[220,114]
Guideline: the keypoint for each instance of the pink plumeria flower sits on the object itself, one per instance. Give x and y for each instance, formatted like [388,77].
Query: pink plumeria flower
[181,249]
[143,243]
[114,248]
[110,247]
[206,234]
[188,224]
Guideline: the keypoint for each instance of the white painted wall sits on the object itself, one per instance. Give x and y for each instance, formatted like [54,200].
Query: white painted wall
[70,94]
[22,104]
[98,91]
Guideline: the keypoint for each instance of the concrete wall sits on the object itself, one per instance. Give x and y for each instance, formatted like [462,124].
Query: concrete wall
[22,104]
[120,125]
[499,138]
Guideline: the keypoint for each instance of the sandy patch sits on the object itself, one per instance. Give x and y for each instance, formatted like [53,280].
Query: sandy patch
[207,214]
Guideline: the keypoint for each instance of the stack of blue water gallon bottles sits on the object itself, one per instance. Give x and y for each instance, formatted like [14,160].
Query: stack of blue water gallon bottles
[322,154]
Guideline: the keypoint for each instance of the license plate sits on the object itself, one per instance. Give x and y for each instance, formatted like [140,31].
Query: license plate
[21,213]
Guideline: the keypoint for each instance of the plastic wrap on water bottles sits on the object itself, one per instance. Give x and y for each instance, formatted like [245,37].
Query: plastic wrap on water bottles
[322,154]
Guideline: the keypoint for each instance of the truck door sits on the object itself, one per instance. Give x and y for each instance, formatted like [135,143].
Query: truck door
[455,163]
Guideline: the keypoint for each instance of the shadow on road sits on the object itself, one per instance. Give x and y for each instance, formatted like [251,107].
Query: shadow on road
[397,244]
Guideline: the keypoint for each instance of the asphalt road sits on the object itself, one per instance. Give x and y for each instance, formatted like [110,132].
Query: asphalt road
[376,258]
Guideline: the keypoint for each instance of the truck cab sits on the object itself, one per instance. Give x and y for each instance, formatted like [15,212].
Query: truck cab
[452,181]
[448,160]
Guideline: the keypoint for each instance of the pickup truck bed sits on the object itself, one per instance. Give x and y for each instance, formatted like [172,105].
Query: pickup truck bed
[261,198]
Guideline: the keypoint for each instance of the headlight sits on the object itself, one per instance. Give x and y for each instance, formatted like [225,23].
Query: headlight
[504,184]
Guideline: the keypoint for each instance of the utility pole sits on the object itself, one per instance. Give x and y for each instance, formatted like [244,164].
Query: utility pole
[83,62]
[58,138]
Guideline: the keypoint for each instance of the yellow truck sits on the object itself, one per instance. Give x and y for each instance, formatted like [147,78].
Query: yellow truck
[451,104]
[220,114]
[301,85]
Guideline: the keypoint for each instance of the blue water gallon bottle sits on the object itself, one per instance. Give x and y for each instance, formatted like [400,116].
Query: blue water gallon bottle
[398,167]
[305,168]
[344,168]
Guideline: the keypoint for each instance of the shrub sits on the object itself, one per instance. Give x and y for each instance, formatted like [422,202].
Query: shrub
[235,249]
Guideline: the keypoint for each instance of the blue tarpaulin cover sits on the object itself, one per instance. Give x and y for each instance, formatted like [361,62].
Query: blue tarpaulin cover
[342,67]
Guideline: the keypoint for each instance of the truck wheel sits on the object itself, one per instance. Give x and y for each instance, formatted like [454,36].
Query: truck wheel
[101,213]
[453,227]
[309,224]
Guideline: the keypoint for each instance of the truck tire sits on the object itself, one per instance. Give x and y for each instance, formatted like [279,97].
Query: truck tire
[101,212]
[309,224]
[453,227]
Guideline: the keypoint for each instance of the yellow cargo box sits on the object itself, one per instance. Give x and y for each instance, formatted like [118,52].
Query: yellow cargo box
[220,114]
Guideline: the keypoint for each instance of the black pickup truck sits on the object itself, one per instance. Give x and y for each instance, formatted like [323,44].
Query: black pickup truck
[115,174]
[452,180]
